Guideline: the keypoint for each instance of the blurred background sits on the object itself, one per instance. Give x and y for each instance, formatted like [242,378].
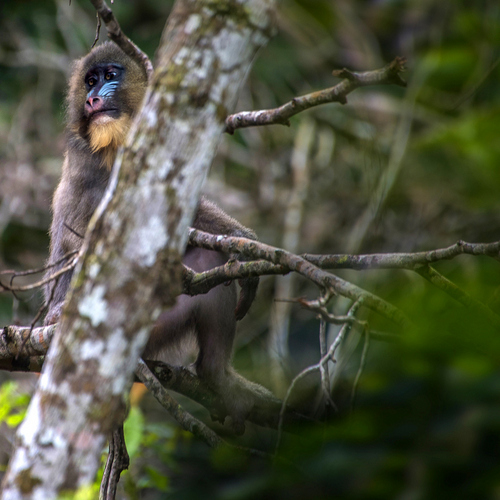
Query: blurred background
[393,170]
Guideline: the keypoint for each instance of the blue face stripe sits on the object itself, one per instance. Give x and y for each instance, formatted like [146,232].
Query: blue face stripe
[108,89]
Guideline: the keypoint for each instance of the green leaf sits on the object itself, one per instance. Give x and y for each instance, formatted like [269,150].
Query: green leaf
[134,431]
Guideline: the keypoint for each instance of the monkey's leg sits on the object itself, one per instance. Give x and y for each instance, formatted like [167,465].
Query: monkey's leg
[215,329]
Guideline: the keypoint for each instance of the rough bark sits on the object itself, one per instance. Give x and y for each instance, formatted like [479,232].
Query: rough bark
[134,245]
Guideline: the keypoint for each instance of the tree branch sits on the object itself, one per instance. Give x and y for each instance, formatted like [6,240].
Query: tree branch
[177,378]
[183,418]
[409,261]
[289,262]
[438,280]
[388,75]
[278,261]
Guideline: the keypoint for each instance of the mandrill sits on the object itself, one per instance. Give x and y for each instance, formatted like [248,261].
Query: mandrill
[105,91]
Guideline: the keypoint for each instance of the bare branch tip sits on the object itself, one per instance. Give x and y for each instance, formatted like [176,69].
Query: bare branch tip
[344,73]
[397,66]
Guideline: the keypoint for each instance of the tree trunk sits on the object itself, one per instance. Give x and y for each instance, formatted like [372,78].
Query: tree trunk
[134,245]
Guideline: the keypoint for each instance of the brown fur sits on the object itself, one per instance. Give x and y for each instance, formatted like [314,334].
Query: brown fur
[92,143]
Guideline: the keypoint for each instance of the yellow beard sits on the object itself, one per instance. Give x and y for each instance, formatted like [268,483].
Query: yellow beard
[107,134]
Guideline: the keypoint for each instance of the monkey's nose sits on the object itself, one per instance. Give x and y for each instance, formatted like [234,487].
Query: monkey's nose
[93,104]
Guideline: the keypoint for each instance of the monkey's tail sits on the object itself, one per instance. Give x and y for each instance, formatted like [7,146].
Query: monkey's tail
[247,294]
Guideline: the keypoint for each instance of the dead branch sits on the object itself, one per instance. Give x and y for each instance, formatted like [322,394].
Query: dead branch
[287,262]
[73,259]
[409,261]
[320,367]
[388,75]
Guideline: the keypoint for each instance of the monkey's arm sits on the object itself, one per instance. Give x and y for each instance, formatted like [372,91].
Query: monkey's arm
[75,200]
[212,219]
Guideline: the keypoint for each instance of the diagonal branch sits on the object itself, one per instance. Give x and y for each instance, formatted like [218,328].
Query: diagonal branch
[388,75]
[183,418]
[439,281]
[290,262]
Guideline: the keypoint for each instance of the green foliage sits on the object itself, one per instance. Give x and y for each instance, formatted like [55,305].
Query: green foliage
[134,431]
[151,447]
[426,423]
[84,493]
[13,405]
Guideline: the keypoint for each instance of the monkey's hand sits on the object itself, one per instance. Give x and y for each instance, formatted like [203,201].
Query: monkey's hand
[248,285]
[247,294]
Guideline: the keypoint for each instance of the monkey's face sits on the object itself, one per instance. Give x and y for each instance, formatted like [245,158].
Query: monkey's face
[106,90]
[106,113]
[102,81]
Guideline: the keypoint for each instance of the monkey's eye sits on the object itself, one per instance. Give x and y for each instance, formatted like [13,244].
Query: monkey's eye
[110,75]
[91,81]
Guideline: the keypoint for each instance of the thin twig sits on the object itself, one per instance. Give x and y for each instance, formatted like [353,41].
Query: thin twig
[323,368]
[38,315]
[39,269]
[329,356]
[361,367]
[44,281]
[97,30]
